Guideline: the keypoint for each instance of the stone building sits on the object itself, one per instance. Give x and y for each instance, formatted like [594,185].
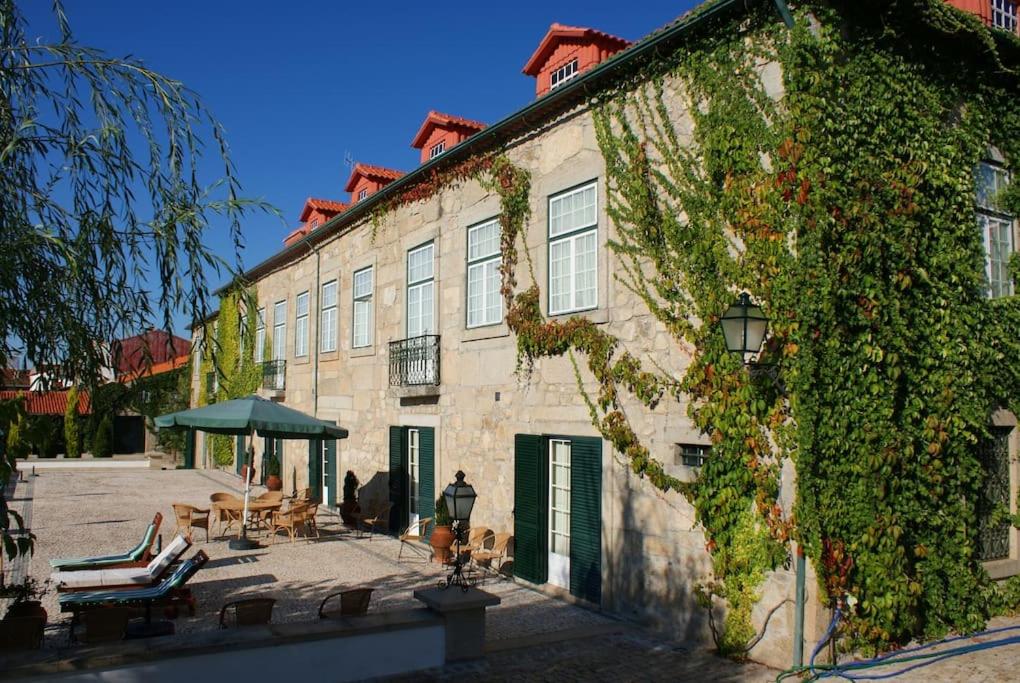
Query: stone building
[394,328]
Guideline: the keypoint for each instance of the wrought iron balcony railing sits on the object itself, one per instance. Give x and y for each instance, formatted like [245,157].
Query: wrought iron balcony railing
[415,361]
[274,375]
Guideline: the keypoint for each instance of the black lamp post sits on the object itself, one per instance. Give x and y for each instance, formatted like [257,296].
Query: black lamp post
[460,500]
[744,327]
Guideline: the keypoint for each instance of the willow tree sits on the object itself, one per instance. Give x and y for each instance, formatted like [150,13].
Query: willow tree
[103,207]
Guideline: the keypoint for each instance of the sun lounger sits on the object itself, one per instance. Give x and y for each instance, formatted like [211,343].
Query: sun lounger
[170,591]
[141,577]
[139,556]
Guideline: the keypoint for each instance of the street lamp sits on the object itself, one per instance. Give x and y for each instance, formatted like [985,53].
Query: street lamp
[460,500]
[744,326]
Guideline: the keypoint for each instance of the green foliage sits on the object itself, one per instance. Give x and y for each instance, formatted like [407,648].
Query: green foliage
[44,433]
[159,394]
[102,439]
[273,466]
[442,517]
[13,537]
[72,426]
[17,445]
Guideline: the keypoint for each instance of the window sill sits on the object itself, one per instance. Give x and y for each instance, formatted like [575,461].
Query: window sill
[301,360]
[485,332]
[362,351]
[1002,569]
[596,315]
[329,355]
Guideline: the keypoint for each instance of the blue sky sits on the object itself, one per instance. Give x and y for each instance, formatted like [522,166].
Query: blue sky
[298,84]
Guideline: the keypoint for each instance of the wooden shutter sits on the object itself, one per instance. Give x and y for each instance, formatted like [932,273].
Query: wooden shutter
[398,478]
[586,518]
[315,468]
[427,474]
[331,468]
[189,449]
[239,453]
[531,508]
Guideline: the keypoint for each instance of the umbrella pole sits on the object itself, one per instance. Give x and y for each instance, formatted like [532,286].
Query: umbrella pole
[243,542]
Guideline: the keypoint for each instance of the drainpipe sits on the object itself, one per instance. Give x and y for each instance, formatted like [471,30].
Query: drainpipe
[798,616]
[318,323]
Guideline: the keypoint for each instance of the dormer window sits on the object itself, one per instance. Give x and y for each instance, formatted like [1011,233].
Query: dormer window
[313,224]
[1004,14]
[437,149]
[563,74]
[362,194]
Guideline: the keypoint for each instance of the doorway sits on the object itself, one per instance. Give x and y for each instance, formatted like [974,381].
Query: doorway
[559,513]
[412,476]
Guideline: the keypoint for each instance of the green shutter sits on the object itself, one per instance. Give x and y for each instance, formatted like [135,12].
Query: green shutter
[189,449]
[238,453]
[331,468]
[427,474]
[398,478]
[586,518]
[278,456]
[315,468]
[531,508]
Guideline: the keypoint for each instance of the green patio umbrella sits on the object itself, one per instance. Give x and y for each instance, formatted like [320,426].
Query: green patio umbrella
[251,415]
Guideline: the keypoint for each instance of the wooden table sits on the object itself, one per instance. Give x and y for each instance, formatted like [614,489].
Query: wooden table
[253,506]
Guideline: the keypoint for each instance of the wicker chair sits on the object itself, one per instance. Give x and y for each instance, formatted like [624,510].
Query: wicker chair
[260,518]
[353,602]
[376,519]
[289,520]
[413,537]
[226,518]
[494,558]
[247,612]
[310,512]
[189,517]
[479,538]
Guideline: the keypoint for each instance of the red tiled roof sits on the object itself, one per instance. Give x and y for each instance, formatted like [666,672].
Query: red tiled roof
[156,369]
[436,118]
[16,379]
[373,172]
[130,354]
[558,32]
[48,402]
[323,205]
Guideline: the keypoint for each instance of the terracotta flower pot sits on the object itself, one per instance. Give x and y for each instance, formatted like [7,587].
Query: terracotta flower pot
[441,541]
[247,473]
[274,483]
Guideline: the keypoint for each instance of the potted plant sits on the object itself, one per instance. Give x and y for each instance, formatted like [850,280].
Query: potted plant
[25,621]
[349,509]
[273,481]
[248,473]
[442,533]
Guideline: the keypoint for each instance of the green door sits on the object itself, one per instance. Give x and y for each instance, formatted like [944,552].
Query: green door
[412,476]
[189,449]
[398,477]
[238,453]
[330,481]
[586,518]
[530,508]
[315,468]
[427,475]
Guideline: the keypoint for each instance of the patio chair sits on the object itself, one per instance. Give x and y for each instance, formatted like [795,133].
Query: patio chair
[226,518]
[303,496]
[310,512]
[414,537]
[113,579]
[498,552]
[170,592]
[189,517]
[377,519]
[247,612]
[479,538]
[260,518]
[138,556]
[353,602]
[289,520]
[105,624]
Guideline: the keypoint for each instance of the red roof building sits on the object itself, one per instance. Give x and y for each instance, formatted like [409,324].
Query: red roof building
[155,346]
[48,402]
[568,51]
[366,180]
[439,132]
[996,13]
[316,212]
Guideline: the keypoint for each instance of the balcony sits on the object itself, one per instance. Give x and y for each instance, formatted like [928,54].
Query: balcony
[274,377]
[414,364]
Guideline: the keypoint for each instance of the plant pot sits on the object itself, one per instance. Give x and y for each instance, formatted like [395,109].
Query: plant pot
[247,473]
[441,541]
[349,510]
[274,483]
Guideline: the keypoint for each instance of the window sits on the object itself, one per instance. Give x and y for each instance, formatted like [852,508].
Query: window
[419,291]
[559,497]
[362,193]
[484,305]
[691,455]
[362,323]
[328,318]
[279,329]
[437,149]
[996,228]
[563,74]
[301,325]
[573,240]
[1004,14]
[313,224]
[260,336]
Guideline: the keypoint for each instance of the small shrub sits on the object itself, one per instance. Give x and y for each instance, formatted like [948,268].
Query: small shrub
[102,441]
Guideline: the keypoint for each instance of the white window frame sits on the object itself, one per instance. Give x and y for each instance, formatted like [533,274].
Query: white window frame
[328,317]
[280,330]
[420,286]
[260,335]
[484,262]
[313,224]
[362,193]
[301,325]
[565,489]
[571,237]
[564,73]
[1005,14]
[989,217]
[437,149]
[362,300]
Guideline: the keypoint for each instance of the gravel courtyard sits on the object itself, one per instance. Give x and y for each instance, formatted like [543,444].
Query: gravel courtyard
[91,512]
